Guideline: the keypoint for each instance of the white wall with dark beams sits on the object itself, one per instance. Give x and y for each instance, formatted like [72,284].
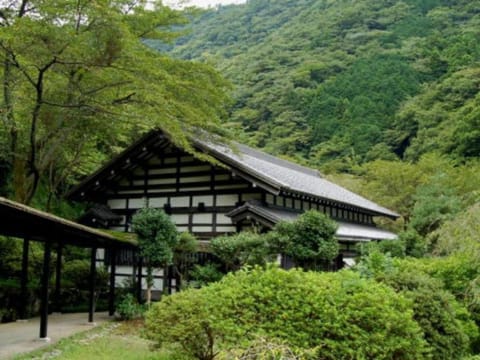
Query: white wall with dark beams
[196,194]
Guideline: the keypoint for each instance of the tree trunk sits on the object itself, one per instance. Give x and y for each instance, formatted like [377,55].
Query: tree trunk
[149,284]
[165,280]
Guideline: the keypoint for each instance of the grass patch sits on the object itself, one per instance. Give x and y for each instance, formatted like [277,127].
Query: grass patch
[113,340]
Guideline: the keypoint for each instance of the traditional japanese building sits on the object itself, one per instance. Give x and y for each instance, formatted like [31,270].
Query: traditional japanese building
[245,188]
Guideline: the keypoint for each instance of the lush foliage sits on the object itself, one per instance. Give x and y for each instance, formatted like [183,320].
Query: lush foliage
[201,275]
[446,324]
[428,193]
[444,293]
[336,315]
[157,235]
[244,248]
[309,240]
[78,81]
[460,235]
[128,308]
[384,91]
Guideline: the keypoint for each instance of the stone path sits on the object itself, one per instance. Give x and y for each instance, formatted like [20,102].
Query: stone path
[20,337]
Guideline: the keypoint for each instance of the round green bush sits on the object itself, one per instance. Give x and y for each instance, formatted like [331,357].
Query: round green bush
[338,315]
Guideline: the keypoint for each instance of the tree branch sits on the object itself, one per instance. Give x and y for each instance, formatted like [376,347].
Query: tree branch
[123,100]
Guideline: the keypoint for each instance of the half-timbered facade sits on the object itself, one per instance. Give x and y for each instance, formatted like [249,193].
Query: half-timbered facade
[244,187]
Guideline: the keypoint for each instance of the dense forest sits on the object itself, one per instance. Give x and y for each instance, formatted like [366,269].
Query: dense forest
[335,81]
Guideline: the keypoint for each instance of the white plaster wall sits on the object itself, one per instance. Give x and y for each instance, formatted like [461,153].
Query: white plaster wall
[227,200]
[207,200]
[117,203]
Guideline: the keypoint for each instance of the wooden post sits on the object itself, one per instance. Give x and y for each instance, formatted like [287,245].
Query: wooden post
[44,291]
[139,279]
[134,270]
[22,311]
[91,303]
[169,279]
[58,276]
[111,294]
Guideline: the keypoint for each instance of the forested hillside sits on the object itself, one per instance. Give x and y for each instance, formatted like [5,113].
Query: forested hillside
[340,81]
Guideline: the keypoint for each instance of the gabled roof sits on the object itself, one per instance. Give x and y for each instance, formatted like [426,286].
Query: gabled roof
[269,172]
[271,215]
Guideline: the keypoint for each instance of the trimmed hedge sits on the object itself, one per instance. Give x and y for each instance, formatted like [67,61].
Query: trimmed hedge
[336,315]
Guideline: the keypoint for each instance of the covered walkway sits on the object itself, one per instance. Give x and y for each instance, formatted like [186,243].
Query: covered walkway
[22,337]
[29,224]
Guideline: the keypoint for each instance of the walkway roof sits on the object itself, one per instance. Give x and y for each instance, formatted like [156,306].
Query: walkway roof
[22,221]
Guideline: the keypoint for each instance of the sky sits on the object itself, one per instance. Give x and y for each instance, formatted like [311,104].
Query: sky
[205,3]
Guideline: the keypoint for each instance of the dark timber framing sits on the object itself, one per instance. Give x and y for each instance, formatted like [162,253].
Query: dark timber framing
[24,280]
[29,224]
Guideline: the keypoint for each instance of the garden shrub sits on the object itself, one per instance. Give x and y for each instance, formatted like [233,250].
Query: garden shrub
[457,272]
[128,308]
[446,324]
[394,248]
[265,349]
[184,258]
[309,240]
[415,244]
[157,240]
[244,248]
[337,315]
[202,275]
[444,296]
[375,265]
[187,319]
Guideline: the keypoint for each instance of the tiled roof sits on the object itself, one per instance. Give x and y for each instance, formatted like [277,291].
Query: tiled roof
[290,177]
[346,231]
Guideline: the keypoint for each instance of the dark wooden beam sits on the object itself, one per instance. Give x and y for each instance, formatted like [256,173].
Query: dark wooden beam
[44,291]
[189,174]
[139,279]
[111,293]
[173,184]
[91,285]
[169,278]
[58,277]
[185,193]
[22,310]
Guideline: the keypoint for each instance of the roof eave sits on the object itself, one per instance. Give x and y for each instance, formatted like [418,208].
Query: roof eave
[236,213]
[75,192]
[388,213]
